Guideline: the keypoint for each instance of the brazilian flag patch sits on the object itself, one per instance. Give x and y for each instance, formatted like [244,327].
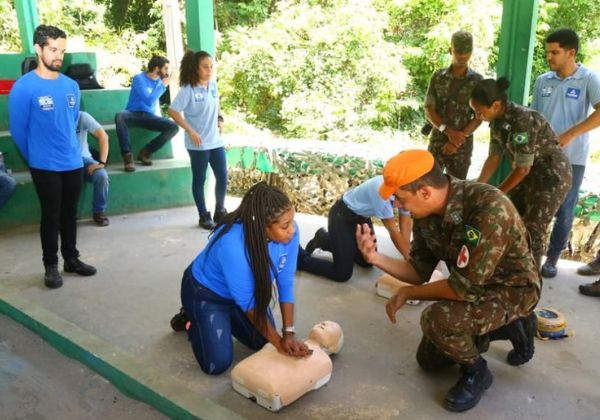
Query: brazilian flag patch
[520,138]
[472,235]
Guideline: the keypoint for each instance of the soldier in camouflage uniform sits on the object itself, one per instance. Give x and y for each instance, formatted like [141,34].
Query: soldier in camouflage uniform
[447,109]
[493,284]
[541,174]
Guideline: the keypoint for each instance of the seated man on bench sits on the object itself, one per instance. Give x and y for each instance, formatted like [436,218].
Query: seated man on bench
[146,88]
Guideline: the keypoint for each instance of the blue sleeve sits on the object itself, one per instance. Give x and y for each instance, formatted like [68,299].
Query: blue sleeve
[18,113]
[88,123]
[77,106]
[158,90]
[593,89]
[285,279]
[138,90]
[238,275]
[182,99]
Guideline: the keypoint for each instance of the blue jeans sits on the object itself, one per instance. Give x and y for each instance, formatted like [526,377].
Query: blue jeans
[213,322]
[126,119]
[100,181]
[7,187]
[341,223]
[200,159]
[565,215]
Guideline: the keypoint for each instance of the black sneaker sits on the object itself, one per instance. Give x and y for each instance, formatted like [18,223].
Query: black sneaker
[75,265]
[52,278]
[206,221]
[179,321]
[219,214]
[521,335]
[590,289]
[467,392]
[320,240]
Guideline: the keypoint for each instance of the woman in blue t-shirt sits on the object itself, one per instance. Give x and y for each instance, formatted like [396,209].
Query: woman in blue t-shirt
[227,289]
[198,101]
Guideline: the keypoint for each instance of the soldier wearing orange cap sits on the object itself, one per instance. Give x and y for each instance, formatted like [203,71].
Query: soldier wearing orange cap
[493,284]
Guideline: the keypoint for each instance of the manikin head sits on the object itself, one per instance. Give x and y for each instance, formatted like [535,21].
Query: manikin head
[328,335]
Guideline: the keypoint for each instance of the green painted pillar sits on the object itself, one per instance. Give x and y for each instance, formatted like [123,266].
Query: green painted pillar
[199,15]
[517,39]
[27,16]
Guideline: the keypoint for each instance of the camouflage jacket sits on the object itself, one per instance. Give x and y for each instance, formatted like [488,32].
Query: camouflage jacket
[482,240]
[450,97]
[526,136]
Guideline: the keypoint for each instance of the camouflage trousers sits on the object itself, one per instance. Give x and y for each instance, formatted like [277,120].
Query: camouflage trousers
[537,199]
[457,164]
[451,329]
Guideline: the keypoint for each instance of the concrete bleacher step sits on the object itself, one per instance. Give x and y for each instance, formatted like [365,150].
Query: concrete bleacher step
[165,184]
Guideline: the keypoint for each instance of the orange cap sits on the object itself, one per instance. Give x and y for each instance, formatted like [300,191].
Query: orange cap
[404,168]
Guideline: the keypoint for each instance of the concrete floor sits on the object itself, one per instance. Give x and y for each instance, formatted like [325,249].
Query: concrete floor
[128,304]
[38,382]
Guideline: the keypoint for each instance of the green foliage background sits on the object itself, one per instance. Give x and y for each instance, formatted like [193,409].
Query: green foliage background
[326,69]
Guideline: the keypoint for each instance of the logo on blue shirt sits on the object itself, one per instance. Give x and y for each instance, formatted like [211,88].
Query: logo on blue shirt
[46,103]
[573,93]
[198,97]
[547,91]
[282,261]
[71,100]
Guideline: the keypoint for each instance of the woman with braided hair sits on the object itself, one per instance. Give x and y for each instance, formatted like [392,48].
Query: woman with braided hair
[227,289]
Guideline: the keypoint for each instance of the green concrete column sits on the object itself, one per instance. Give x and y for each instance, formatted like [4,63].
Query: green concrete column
[27,16]
[199,15]
[517,39]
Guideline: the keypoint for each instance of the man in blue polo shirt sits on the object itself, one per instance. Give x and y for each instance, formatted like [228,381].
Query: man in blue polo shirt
[43,109]
[146,88]
[565,96]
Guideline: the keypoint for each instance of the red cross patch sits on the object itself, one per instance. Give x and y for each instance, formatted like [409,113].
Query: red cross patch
[463,257]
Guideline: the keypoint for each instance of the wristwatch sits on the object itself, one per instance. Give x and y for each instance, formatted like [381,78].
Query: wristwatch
[291,329]
[442,128]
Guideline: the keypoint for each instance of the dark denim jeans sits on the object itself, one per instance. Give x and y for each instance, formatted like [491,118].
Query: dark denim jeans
[126,119]
[58,193]
[341,223]
[565,215]
[7,187]
[200,159]
[214,320]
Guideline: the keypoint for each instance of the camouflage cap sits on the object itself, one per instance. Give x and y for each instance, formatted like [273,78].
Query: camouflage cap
[462,42]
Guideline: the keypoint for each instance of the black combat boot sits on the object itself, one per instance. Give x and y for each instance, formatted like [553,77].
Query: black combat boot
[52,278]
[320,240]
[521,334]
[467,392]
[206,221]
[75,265]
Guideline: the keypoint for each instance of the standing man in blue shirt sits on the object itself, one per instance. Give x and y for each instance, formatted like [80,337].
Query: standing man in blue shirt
[565,96]
[146,88]
[43,108]
[95,170]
